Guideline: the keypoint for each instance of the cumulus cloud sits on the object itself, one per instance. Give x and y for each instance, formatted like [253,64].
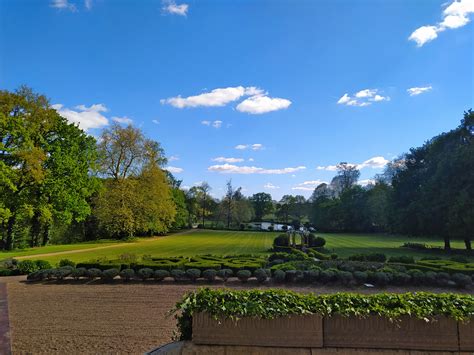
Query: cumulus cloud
[308,185]
[373,163]
[228,160]
[122,120]
[215,124]
[454,16]
[215,98]
[270,186]
[366,182]
[170,7]
[88,4]
[86,117]
[259,104]
[63,5]
[155,121]
[241,146]
[257,146]
[173,158]
[174,170]
[234,169]
[419,90]
[362,98]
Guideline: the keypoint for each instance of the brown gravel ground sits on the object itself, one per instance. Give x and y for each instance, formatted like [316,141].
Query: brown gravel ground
[95,318]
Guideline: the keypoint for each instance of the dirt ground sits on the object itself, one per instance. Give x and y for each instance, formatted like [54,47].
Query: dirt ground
[96,318]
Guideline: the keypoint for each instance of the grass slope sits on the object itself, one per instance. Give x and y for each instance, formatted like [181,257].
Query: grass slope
[200,242]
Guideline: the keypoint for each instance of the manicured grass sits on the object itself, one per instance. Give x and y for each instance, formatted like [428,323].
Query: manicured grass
[199,242]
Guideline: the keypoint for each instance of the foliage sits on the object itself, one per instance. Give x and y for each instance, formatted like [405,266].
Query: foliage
[66,262]
[261,275]
[316,242]
[160,275]
[281,241]
[145,273]
[127,274]
[26,267]
[270,304]
[377,257]
[193,274]
[109,274]
[209,275]
[224,274]
[243,275]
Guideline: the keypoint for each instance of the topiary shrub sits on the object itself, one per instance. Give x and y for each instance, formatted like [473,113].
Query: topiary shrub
[193,274]
[327,276]
[34,276]
[360,277]
[381,278]
[127,274]
[345,277]
[459,259]
[316,242]
[261,275]
[461,280]
[66,262]
[43,264]
[109,274]
[404,259]
[311,275]
[145,273]
[279,276]
[160,275]
[334,256]
[294,275]
[178,275]
[281,241]
[209,275]
[401,278]
[93,273]
[243,275]
[78,273]
[224,274]
[27,267]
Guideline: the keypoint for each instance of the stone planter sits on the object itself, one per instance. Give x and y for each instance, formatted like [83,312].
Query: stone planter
[376,332]
[294,331]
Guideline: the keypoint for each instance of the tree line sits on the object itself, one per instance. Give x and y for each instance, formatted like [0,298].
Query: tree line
[61,185]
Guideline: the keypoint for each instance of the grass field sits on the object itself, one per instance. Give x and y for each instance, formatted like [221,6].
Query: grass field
[200,242]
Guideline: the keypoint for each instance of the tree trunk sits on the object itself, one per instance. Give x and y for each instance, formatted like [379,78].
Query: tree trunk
[35,230]
[46,234]
[10,236]
[447,243]
[467,242]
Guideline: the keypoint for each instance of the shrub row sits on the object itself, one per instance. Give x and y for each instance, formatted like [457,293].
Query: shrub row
[279,303]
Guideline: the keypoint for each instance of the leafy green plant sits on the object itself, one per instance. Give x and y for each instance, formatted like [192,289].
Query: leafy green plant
[160,275]
[261,275]
[43,264]
[127,274]
[243,275]
[66,262]
[27,266]
[209,275]
[145,273]
[79,272]
[193,274]
[270,304]
[224,274]
[109,275]
[279,276]
[93,273]
[178,275]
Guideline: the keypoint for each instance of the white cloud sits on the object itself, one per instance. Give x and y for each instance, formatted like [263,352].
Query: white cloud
[362,98]
[270,186]
[217,124]
[366,182]
[88,4]
[173,158]
[262,104]
[174,170]
[206,123]
[86,117]
[454,16]
[170,7]
[215,98]
[63,5]
[419,90]
[255,146]
[251,159]
[228,160]
[373,163]
[122,120]
[155,121]
[234,169]
[308,185]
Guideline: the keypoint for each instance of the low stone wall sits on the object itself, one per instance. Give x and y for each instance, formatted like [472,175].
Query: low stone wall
[313,331]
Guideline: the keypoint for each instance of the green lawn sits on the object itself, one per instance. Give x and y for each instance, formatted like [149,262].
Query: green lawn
[200,242]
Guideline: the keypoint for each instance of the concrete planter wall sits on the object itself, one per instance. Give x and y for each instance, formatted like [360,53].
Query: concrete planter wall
[312,331]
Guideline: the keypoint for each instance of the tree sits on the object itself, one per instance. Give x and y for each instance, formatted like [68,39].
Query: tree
[262,204]
[44,166]
[347,176]
[322,190]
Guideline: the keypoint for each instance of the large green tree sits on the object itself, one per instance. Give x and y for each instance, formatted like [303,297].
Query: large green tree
[45,165]
[262,204]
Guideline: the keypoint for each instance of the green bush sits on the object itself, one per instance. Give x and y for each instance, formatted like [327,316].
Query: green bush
[145,273]
[334,256]
[327,275]
[269,304]
[160,275]
[401,278]
[345,277]
[224,274]
[317,242]
[127,274]
[459,259]
[243,275]
[461,280]
[66,262]
[6,272]
[79,272]
[261,275]
[318,255]
[311,275]
[375,257]
[279,276]
[26,267]
[360,276]
[43,264]
[178,275]
[281,241]
[209,275]
[94,273]
[404,259]
[109,274]
[193,274]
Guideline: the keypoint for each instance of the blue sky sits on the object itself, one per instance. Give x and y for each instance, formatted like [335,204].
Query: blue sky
[298,85]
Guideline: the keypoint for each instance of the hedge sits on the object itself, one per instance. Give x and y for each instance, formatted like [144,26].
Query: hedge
[271,303]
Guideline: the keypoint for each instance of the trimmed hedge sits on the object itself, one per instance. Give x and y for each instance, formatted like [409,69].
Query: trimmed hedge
[270,304]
